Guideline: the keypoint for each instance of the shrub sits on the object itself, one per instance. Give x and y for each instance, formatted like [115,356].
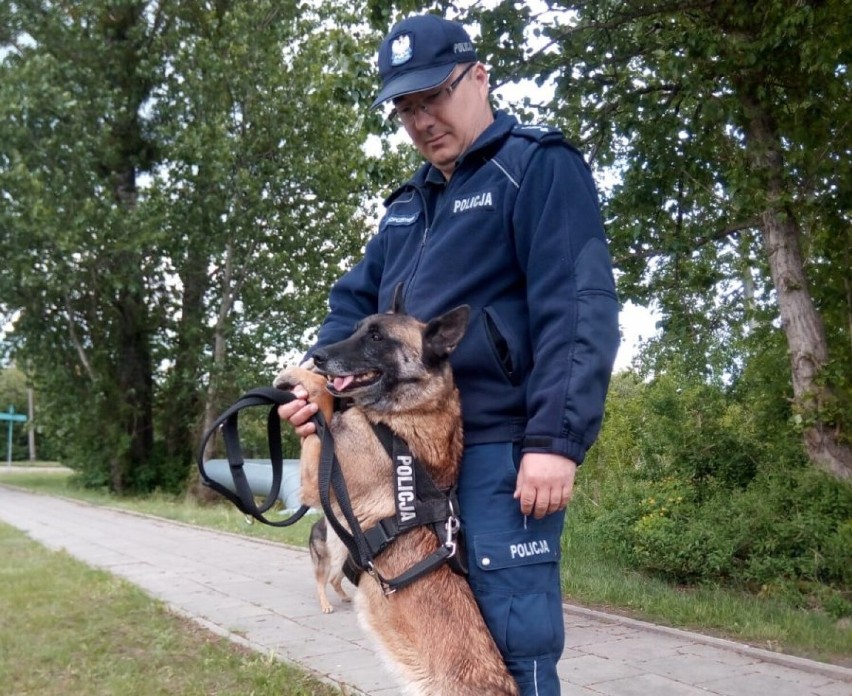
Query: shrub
[690,483]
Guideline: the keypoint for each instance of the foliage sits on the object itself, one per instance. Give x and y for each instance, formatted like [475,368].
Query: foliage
[702,484]
[181,183]
[723,131]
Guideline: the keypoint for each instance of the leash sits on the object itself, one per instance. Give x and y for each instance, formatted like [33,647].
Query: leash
[229,421]
[420,503]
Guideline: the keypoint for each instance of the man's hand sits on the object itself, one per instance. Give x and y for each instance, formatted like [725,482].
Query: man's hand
[545,483]
[299,412]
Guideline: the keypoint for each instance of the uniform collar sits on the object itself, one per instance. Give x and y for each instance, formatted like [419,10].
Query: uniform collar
[496,132]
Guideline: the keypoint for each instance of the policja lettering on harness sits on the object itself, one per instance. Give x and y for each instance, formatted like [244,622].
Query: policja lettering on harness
[405,488]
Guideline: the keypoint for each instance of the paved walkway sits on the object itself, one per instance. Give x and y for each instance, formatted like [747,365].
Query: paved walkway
[261,594]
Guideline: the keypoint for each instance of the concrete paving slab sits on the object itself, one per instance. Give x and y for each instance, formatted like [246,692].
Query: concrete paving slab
[261,595]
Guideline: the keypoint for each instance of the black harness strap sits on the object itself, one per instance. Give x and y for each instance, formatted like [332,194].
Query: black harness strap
[419,502]
[423,503]
[229,421]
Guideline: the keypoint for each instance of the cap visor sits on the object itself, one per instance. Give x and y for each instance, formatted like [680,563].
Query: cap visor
[416,81]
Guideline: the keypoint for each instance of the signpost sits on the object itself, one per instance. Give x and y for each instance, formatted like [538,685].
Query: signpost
[12,417]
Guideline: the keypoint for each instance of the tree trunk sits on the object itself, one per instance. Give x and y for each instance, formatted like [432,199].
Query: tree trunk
[183,403]
[136,388]
[229,292]
[801,322]
[132,377]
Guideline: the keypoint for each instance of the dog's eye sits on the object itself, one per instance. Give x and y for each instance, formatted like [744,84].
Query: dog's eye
[375,335]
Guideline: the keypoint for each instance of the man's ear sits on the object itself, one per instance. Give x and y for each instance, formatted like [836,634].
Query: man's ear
[443,334]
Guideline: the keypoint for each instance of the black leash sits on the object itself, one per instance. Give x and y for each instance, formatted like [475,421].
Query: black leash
[428,506]
[229,420]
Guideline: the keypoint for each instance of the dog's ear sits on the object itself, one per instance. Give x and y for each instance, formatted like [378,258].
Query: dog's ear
[442,334]
[397,305]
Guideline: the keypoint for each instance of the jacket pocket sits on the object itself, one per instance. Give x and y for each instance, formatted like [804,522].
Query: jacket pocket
[501,345]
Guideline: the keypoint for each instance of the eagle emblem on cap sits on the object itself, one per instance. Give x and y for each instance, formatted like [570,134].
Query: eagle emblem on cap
[401,49]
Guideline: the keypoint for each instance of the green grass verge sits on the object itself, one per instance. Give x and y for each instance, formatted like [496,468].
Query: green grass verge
[222,516]
[68,629]
[590,578]
[597,580]
[28,464]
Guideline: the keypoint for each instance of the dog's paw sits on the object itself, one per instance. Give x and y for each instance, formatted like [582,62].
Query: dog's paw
[290,376]
[313,383]
[328,609]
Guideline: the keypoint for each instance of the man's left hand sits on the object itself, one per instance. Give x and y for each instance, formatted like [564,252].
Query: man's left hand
[545,483]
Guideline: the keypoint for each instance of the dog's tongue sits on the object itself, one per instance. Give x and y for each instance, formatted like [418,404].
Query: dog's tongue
[340,383]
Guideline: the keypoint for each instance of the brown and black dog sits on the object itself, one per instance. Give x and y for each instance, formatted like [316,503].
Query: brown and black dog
[395,370]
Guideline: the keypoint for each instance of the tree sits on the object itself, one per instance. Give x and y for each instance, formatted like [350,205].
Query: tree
[178,180]
[73,88]
[259,198]
[728,126]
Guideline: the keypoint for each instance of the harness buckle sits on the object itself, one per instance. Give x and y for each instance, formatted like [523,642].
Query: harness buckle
[452,526]
[386,588]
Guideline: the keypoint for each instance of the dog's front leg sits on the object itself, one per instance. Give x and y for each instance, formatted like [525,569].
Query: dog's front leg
[309,458]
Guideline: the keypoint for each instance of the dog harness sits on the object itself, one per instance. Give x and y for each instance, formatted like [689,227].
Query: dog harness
[419,502]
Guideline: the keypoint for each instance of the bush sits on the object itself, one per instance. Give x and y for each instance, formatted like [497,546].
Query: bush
[687,484]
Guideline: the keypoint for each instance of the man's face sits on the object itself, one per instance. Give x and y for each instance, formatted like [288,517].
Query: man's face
[453,117]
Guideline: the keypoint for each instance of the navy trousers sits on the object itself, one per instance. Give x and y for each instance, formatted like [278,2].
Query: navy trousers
[514,567]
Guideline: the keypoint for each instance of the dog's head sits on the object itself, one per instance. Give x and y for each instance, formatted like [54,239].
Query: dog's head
[393,362]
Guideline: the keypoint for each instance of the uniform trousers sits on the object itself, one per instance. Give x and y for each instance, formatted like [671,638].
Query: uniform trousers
[514,567]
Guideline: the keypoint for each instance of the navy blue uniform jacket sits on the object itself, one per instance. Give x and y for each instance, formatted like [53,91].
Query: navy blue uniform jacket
[516,234]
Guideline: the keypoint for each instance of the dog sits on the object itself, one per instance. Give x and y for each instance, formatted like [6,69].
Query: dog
[395,370]
[328,554]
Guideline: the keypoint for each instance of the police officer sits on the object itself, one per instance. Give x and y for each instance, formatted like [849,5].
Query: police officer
[503,217]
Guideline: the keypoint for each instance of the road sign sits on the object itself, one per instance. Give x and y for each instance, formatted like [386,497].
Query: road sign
[11,416]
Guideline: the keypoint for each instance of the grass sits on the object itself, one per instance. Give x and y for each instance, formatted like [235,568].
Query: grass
[38,464]
[223,517]
[596,580]
[591,578]
[68,629]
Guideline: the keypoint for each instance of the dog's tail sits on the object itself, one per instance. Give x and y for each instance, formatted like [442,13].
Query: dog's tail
[317,538]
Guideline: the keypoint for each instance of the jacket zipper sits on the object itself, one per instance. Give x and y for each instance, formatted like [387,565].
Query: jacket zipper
[422,248]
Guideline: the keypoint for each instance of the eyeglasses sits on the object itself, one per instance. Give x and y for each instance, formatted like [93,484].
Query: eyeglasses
[429,104]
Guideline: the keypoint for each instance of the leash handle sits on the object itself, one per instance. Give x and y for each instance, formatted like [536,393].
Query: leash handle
[243,499]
